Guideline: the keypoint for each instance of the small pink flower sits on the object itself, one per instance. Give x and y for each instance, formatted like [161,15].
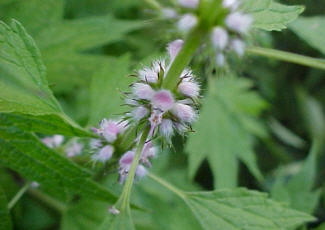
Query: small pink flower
[192,4]
[238,46]
[139,113]
[126,159]
[143,91]
[185,113]
[148,75]
[104,154]
[163,100]
[53,141]
[174,47]
[95,143]
[74,149]
[231,4]
[219,37]
[169,13]
[109,130]
[141,171]
[187,22]
[189,88]
[239,22]
[166,128]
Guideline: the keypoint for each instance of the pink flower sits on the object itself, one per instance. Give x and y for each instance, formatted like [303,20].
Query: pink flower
[174,47]
[148,75]
[169,13]
[187,22]
[192,4]
[126,159]
[53,141]
[238,46]
[109,130]
[141,171]
[74,149]
[220,59]
[184,113]
[189,88]
[143,91]
[149,151]
[163,100]
[104,154]
[139,113]
[219,37]
[231,4]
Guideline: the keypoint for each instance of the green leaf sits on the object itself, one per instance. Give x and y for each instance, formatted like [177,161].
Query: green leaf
[223,134]
[5,220]
[311,30]
[106,87]
[122,221]
[26,154]
[242,209]
[269,15]
[297,192]
[23,84]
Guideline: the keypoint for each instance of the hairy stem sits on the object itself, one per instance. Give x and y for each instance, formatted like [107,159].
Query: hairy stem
[19,194]
[288,57]
[124,200]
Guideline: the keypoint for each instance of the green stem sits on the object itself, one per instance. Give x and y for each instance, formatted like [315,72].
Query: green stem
[192,42]
[56,205]
[153,4]
[19,194]
[124,200]
[288,57]
[169,186]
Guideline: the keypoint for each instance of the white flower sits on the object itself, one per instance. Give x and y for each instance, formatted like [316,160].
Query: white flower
[220,59]
[141,171]
[189,88]
[109,129]
[187,22]
[238,46]
[192,4]
[53,141]
[231,4]
[219,37]
[239,22]
[184,113]
[166,128]
[169,13]
[142,91]
[74,149]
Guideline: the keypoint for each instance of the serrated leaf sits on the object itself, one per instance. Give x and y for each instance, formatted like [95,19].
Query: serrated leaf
[222,134]
[270,15]
[311,30]
[23,84]
[242,209]
[5,220]
[26,154]
[106,87]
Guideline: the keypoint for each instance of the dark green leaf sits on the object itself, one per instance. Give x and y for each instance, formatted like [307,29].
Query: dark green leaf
[24,153]
[5,220]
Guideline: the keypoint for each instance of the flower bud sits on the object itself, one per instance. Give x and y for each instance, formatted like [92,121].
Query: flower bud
[187,22]
[109,129]
[184,113]
[74,149]
[239,22]
[238,46]
[220,59]
[148,75]
[104,154]
[163,100]
[192,4]
[169,13]
[174,47]
[189,88]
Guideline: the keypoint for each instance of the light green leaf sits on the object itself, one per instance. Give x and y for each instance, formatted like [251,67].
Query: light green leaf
[5,220]
[26,154]
[242,209]
[23,84]
[122,221]
[224,134]
[269,15]
[35,14]
[106,87]
[311,30]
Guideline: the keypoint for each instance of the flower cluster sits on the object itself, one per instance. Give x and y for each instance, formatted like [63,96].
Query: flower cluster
[108,131]
[226,36]
[167,111]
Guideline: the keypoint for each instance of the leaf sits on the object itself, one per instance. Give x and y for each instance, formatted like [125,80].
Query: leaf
[311,30]
[242,209]
[106,87]
[223,134]
[297,192]
[46,124]
[23,84]
[122,221]
[269,15]
[5,220]
[26,154]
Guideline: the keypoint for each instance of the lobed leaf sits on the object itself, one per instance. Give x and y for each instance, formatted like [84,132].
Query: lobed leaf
[270,15]
[26,154]
[225,130]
